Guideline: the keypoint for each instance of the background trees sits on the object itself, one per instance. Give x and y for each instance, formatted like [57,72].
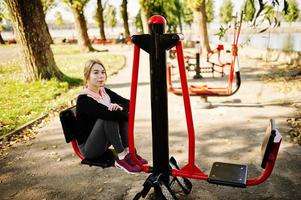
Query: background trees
[77,7]
[167,8]
[47,5]
[175,11]
[4,15]
[1,28]
[138,22]
[199,12]
[110,16]
[99,19]
[249,10]
[124,15]
[31,29]
[226,11]
[187,13]
[292,13]
[59,21]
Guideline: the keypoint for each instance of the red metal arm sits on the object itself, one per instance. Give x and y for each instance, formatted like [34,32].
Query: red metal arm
[187,105]
[132,109]
[269,167]
[76,149]
[190,170]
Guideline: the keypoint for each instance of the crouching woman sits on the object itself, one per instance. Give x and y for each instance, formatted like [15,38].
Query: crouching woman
[102,117]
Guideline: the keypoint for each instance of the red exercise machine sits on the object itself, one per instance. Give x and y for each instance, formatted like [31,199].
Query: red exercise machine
[156,43]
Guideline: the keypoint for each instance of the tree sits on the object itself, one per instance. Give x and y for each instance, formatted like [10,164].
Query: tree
[110,16]
[249,10]
[179,13]
[77,7]
[269,12]
[59,21]
[226,11]
[47,5]
[187,13]
[99,18]
[292,12]
[199,9]
[138,22]
[166,8]
[262,7]
[124,14]
[209,11]
[3,16]
[31,30]
[1,27]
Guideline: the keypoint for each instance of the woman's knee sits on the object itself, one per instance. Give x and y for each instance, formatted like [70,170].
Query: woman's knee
[111,125]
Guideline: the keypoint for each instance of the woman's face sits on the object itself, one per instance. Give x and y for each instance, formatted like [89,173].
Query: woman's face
[97,76]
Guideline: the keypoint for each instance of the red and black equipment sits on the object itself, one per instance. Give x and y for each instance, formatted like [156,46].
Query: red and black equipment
[156,43]
[204,90]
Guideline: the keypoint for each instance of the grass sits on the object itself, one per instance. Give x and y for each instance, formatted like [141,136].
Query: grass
[22,102]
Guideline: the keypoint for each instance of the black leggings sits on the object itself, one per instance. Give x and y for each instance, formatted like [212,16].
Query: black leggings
[102,135]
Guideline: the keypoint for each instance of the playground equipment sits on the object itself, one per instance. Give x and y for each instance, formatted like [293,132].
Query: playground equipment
[156,43]
[205,90]
[213,59]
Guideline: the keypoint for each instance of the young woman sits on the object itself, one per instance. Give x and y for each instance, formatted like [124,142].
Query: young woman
[103,119]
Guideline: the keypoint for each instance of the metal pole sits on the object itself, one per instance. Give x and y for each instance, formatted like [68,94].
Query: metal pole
[197,57]
[156,43]
[159,98]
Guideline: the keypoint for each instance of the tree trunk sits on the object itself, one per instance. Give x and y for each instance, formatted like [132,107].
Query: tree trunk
[200,16]
[144,21]
[101,21]
[48,34]
[124,13]
[82,31]
[29,23]
[1,39]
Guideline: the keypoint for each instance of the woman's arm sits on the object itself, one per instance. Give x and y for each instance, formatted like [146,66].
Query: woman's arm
[89,107]
[116,98]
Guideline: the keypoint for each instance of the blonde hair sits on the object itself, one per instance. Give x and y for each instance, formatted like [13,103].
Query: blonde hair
[88,67]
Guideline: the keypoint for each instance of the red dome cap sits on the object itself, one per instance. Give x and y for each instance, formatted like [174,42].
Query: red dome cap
[157,19]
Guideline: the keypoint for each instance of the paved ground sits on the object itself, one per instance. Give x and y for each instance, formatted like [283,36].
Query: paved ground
[231,131]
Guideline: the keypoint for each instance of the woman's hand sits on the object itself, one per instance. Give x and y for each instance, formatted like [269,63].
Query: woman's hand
[114,107]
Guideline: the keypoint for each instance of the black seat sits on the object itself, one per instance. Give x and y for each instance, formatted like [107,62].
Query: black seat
[236,175]
[228,174]
[68,121]
[106,160]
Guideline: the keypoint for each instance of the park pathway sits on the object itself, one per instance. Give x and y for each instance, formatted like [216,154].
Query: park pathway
[230,131]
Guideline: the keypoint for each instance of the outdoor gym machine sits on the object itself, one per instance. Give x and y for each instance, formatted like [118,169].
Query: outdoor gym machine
[233,82]
[156,43]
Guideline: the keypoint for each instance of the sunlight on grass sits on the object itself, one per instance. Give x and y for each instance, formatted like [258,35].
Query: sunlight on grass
[22,102]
